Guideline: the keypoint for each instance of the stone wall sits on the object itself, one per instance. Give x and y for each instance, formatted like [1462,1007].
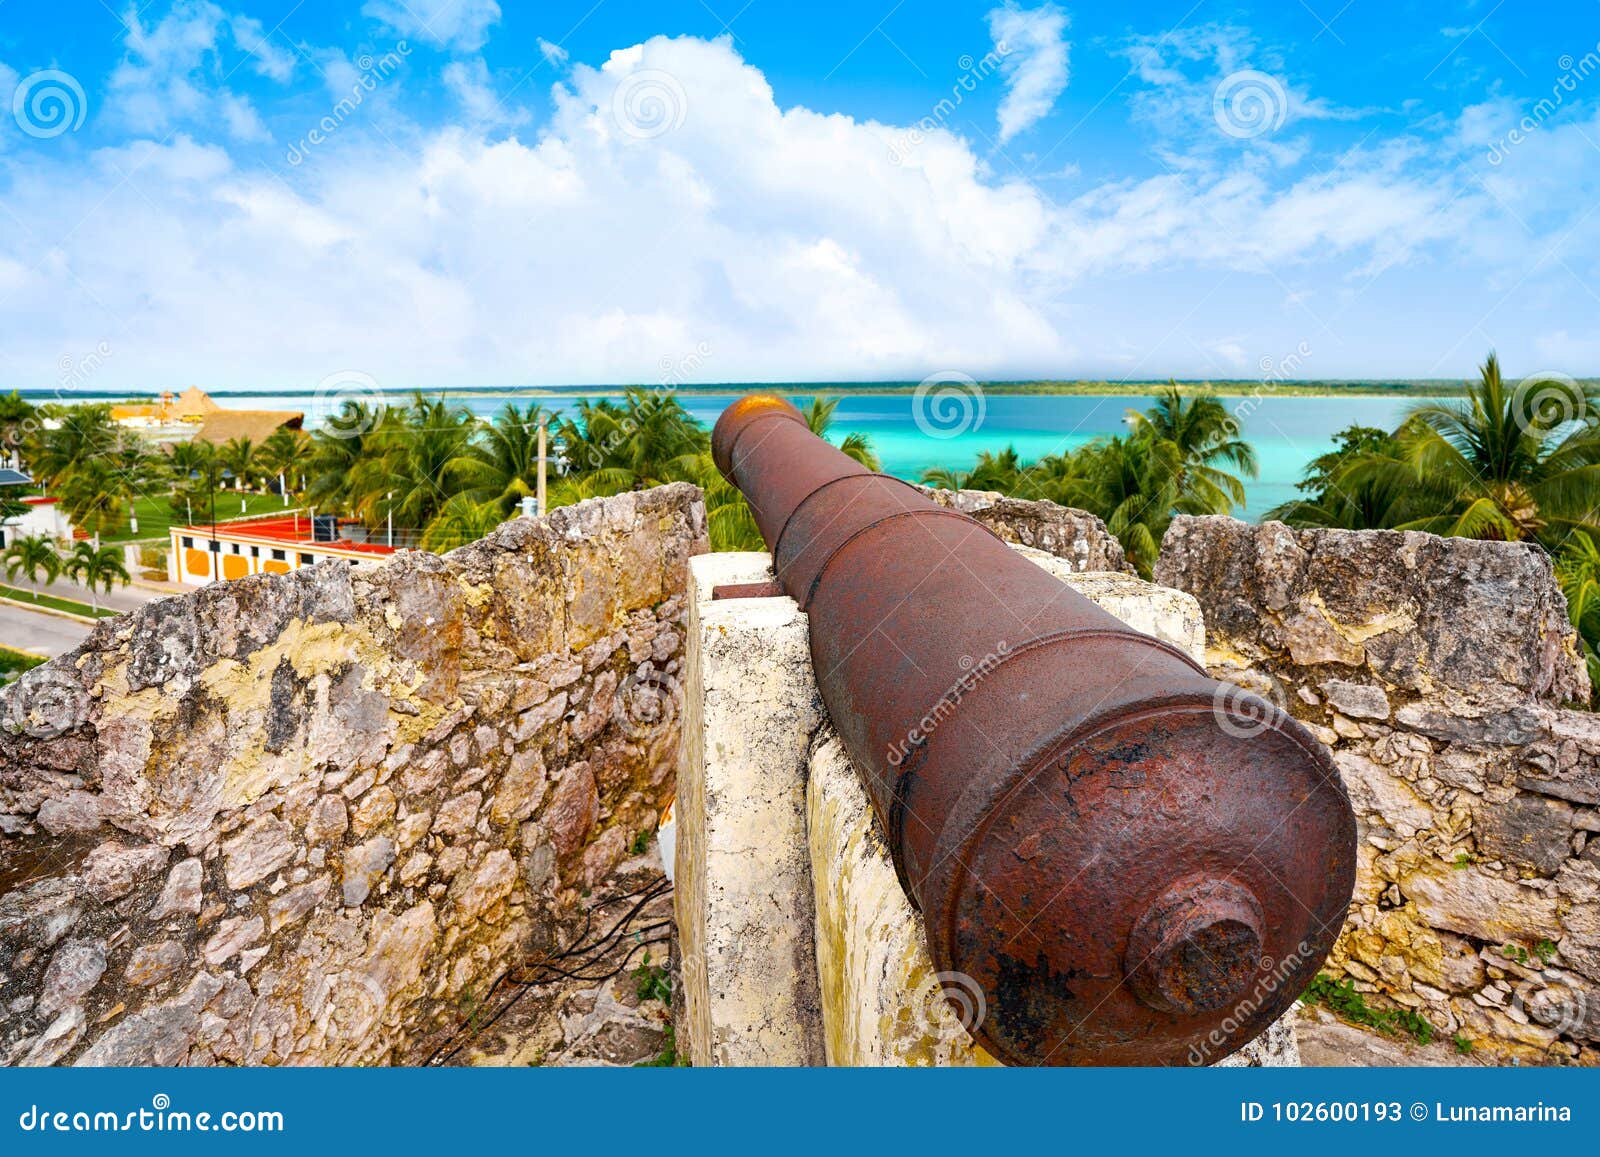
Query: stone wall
[311,818]
[1441,673]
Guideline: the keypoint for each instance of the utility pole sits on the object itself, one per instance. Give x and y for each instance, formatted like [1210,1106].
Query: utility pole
[283,488]
[543,433]
[388,501]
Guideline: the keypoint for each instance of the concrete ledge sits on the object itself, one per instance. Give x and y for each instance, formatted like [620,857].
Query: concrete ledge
[798,944]
[742,874]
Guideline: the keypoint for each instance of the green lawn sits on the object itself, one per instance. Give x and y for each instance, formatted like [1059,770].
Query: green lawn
[155,515]
[14,663]
[21,595]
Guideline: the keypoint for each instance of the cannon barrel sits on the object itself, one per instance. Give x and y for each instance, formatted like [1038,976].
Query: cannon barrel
[1132,862]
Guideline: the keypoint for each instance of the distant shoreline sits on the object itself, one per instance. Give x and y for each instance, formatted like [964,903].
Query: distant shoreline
[1230,388]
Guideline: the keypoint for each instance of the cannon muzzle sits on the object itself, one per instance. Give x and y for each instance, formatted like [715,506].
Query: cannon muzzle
[1134,863]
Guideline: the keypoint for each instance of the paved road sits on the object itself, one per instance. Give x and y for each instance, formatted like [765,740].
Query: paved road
[128,598]
[41,634]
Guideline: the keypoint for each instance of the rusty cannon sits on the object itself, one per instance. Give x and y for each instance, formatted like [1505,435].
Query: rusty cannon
[1134,863]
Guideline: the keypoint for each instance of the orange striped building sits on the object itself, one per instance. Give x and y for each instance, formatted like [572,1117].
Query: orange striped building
[277,545]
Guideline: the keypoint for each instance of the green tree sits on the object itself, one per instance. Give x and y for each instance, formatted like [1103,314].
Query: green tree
[67,437]
[96,567]
[412,464]
[239,455]
[32,556]
[337,448]
[1517,464]
[819,418]
[1207,438]
[282,453]
[1364,499]
[94,495]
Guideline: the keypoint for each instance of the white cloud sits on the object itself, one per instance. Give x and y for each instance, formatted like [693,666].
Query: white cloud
[553,53]
[1035,63]
[169,73]
[469,82]
[460,24]
[787,242]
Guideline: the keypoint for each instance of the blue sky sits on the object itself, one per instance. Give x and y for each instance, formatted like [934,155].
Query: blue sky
[265,193]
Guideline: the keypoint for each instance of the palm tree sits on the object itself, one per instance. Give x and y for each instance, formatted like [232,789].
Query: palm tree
[284,449]
[239,455]
[1001,472]
[1515,464]
[17,415]
[1336,499]
[1578,571]
[32,556]
[645,441]
[1205,435]
[819,417]
[69,436]
[508,453]
[341,444]
[94,495]
[96,566]
[413,463]
[461,520]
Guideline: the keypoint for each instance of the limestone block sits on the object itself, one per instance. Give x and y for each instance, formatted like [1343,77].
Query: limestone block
[743,878]
[883,1004]
[1172,616]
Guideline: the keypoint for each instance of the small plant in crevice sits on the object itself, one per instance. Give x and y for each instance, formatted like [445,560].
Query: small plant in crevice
[1514,952]
[668,1057]
[1342,999]
[651,981]
[1463,1044]
[640,843]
